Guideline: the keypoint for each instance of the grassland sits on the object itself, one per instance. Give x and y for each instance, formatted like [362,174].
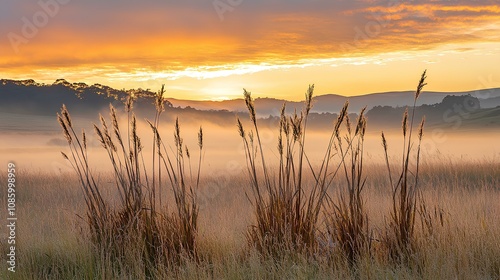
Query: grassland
[466,246]
[342,217]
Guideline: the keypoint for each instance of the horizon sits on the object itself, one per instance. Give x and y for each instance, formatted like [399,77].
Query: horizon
[257,97]
[211,50]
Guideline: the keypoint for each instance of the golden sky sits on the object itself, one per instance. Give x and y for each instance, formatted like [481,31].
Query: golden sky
[211,49]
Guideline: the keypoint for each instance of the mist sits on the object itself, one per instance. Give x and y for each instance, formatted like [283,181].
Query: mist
[37,145]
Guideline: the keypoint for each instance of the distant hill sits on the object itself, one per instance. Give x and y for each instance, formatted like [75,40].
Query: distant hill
[452,112]
[27,106]
[30,97]
[331,103]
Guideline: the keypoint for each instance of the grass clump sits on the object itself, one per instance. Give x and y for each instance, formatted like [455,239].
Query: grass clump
[139,233]
[400,236]
[286,209]
[346,218]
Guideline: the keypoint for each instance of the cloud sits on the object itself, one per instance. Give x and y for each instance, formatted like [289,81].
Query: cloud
[183,35]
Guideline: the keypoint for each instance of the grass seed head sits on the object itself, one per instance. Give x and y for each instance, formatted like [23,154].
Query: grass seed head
[116,127]
[282,116]
[309,97]
[361,125]
[64,156]
[100,136]
[296,122]
[250,105]
[286,126]
[341,117]
[84,137]
[177,132]
[129,104]
[240,128]
[384,142]
[405,122]
[250,137]
[421,129]
[66,115]
[348,124]
[139,144]
[65,129]
[200,138]
[421,84]
[160,100]
[280,144]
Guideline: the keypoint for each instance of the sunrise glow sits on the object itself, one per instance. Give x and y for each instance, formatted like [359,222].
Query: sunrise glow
[273,49]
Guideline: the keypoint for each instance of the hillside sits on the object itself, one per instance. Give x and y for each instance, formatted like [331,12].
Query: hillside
[489,98]
[30,106]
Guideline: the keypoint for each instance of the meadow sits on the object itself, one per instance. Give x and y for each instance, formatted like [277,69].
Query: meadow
[465,246]
[286,213]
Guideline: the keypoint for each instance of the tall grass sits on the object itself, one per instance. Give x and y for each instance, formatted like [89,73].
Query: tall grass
[143,235]
[467,247]
[346,217]
[400,231]
[139,227]
[286,209]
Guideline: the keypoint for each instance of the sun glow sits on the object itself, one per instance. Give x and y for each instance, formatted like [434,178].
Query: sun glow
[366,47]
[348,75]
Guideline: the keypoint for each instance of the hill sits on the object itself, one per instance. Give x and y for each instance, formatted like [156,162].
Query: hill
[30,106]
[330,103]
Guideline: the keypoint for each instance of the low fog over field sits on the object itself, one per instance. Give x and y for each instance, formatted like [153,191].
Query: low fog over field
[35,142]
[455,203]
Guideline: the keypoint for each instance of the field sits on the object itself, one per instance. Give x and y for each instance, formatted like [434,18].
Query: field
[333,211]
[465,246]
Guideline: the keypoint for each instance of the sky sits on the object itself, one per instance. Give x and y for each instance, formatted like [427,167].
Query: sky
[212,49]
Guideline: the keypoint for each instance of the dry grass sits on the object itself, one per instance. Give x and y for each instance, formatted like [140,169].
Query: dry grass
[138,233]
[346,218]
[433,220]
[399,237]
[467,246]
[286,211]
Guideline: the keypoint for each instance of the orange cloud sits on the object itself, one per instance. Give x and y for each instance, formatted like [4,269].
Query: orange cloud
[184,37]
